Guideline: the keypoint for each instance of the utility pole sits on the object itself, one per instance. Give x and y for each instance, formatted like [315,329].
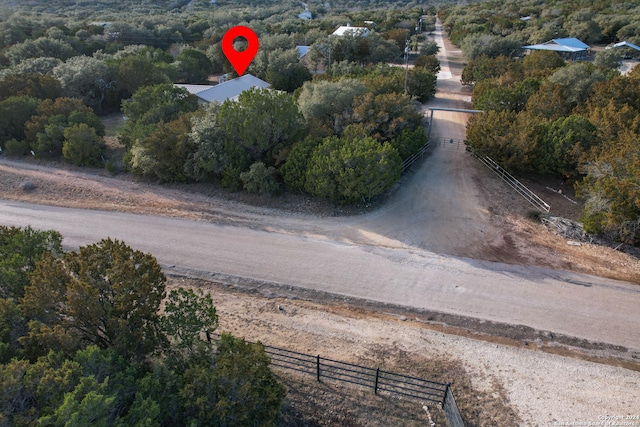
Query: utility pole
[406,65]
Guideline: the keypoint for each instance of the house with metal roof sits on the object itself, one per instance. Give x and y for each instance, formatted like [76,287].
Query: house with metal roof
[623,45]
[230,89]
[348,29]
[568,48]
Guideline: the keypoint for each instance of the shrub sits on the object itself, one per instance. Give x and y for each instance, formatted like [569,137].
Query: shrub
[81,145]
[260,179]
[16,148]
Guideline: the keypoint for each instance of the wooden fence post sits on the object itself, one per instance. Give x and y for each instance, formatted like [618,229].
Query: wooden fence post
[318,368]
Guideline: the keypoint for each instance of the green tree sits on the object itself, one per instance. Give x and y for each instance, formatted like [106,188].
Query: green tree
[421,84]
[428,62]
[429,48]
[548,102]
[352,169]
[611,189]
[384,79]
[135,70]
[12,326]
[485,67]
[475,45]
[80,77]
[31,85]
[88,404]
[285,71]
[47,109]
[210,155]
[152,104]
[14,113]
[567,140]
[193,66]
[20,250]
[385,116]
[240,390]
[294,170]
[409,142]
[540,64]
[37,48]
[608,60]
[324,104]
[189,316]
[81,145]
[264,123]
[580,24]
[578,80]
[491,133]
[107,293]
[163,153]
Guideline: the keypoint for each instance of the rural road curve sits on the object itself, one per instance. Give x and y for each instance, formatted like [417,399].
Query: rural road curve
[576,305]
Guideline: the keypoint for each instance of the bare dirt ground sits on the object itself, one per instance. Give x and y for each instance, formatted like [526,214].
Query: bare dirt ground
[449,204]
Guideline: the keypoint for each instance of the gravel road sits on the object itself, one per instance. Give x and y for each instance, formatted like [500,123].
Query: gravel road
[572,304]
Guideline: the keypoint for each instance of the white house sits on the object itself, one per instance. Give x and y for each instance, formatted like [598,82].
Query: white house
[230,89]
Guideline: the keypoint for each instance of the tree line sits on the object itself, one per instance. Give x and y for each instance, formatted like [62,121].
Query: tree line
[579,121]
[94,337]
[501,27]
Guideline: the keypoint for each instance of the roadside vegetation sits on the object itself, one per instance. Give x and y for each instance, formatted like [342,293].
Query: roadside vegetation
[92,337]
[575,120]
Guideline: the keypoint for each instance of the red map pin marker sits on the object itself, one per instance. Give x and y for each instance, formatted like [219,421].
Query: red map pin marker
[240,60]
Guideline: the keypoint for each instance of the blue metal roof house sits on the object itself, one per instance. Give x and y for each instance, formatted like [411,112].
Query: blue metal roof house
[568,48]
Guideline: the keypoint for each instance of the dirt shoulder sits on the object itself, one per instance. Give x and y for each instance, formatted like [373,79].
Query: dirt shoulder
[517,241]
[526,379]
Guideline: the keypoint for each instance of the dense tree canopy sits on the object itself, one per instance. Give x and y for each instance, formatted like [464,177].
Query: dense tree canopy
[129,59]
[83,341]
[576,120]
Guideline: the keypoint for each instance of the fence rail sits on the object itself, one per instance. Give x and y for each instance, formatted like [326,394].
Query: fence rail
[380,381]
[529,195]
[451,143]
[418,155]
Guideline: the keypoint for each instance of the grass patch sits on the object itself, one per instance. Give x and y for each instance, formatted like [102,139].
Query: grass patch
[113,123]
[534,215]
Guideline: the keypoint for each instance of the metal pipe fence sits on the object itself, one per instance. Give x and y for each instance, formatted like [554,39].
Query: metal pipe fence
[389,383]
[512,182]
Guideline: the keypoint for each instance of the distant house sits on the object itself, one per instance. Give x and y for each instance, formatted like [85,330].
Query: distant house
[306,15]
[626,46]
[568,48]
[230,89]
[302,51]
[348,29]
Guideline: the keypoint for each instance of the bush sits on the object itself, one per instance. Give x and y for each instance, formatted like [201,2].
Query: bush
[534,215]
[16,148]
[81,145]
[347,170]
[260,179]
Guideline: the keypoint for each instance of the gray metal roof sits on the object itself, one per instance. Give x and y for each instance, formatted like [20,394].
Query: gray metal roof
[227,90]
